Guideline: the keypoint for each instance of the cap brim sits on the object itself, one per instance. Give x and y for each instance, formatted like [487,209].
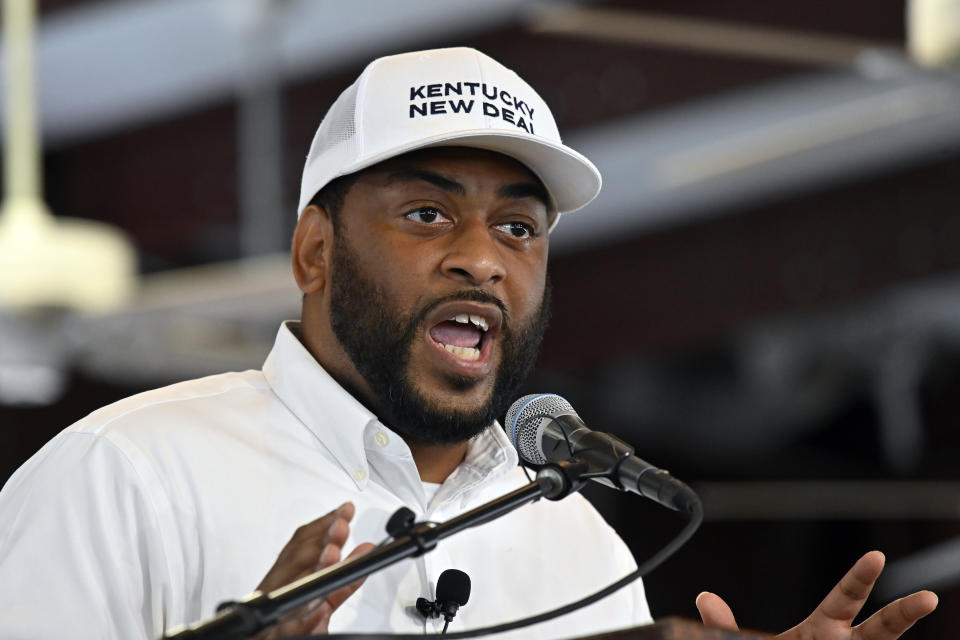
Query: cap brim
[570,178]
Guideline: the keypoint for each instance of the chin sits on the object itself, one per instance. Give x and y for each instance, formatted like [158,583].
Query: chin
[467,399]
[464,385]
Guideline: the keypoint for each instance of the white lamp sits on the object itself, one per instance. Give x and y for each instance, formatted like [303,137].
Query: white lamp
[933,32]
[46,261]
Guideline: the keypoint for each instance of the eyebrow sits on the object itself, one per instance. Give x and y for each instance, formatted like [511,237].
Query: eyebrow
[410,174]
[516,191]
[522,190]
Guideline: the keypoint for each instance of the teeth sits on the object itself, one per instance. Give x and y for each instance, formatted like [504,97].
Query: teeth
[480,322]
[477,321]
[464,353]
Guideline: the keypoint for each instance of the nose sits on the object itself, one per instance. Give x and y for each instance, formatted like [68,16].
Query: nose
[473,255]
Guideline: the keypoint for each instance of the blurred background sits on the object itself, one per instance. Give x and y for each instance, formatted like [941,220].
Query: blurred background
[765,298]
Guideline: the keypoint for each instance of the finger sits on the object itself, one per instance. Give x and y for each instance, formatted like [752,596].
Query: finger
[337,598]
[329,556]
[293,565]
[283,572]
[321,525]
[338,532]
[298,622]
[714,612]
[301,554]
[898,616]
[314,617]
[320,620]
[309,556]
[845,600]
[316,532]
[303,621]
[321,551]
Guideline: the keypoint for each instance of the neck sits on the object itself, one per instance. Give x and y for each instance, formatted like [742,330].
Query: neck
[437,461]
[434,461]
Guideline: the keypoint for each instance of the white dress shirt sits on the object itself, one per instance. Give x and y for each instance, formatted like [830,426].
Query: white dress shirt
[149,512]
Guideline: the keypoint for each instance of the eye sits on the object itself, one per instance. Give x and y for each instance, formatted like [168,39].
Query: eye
[520,230]
[426,215]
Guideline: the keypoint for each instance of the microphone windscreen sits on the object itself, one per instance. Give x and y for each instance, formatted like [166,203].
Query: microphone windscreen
[524,419]
[453,585]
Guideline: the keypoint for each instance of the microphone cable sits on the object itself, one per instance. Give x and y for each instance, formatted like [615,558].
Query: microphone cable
[696,517]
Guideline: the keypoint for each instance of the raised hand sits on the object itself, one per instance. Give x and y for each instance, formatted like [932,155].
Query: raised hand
[314,546]
[832,620]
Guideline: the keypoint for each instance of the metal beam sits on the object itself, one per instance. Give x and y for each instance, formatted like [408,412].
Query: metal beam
[109,66]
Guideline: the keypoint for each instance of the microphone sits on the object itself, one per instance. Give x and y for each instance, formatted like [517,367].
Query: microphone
[545,428]
[453,591]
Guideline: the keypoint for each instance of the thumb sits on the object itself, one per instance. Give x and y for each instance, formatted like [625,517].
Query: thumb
[714,611]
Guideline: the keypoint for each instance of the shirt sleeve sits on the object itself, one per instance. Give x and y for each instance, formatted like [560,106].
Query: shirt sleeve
[80,552]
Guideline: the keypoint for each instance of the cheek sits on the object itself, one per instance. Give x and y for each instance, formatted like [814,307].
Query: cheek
[392,264]
[529,292]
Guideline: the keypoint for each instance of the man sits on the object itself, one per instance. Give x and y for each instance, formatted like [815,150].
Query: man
[421,249]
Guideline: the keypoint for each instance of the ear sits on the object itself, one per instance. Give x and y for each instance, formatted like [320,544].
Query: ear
[312,242]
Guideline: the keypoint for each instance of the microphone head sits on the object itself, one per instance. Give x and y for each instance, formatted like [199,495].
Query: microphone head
[453,585]
[527,417]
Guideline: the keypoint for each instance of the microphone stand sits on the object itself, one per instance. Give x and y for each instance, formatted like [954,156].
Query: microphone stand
[258,611]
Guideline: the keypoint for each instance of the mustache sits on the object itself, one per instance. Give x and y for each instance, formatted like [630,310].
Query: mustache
[466,295]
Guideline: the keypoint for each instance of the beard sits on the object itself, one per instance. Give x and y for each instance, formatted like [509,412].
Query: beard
[379,340]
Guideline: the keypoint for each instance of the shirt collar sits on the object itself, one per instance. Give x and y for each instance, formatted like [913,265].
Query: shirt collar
[335,417]
[490,455]
[345,426]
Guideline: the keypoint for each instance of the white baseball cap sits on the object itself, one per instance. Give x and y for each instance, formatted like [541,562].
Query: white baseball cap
[445,97]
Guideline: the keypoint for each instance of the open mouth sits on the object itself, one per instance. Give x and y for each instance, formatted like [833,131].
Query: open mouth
[462,335]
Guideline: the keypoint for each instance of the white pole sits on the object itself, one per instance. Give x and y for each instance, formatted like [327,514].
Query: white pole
[21,141]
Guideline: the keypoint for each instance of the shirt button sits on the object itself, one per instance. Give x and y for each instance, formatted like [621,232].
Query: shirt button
[381,439]
[359,475]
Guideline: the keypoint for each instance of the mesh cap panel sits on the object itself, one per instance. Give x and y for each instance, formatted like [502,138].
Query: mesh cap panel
[339,125]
